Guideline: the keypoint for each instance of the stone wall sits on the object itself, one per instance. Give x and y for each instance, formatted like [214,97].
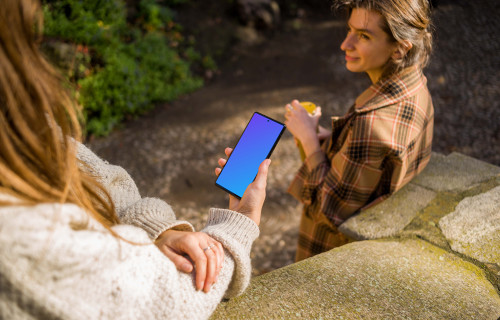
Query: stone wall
[431,251]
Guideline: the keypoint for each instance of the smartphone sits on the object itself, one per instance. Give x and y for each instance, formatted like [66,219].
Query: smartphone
[256,144]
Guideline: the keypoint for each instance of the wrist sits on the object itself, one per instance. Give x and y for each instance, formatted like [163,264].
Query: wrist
[254,216]
[311,146]
[165,234]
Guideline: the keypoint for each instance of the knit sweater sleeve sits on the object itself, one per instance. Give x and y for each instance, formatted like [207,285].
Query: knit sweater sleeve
[50,268]
[235,241]
[151,214]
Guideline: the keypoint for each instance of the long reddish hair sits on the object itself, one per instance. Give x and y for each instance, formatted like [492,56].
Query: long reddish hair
[39,122]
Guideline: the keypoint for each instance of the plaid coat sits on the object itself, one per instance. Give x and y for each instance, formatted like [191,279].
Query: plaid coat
[382,142]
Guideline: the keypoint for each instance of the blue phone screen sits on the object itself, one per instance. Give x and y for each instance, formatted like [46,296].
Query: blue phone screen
[255,145]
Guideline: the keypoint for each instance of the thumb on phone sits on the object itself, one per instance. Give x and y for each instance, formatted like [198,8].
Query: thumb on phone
[261,178]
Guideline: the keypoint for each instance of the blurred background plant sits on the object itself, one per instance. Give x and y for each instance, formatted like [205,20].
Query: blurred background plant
[123,57]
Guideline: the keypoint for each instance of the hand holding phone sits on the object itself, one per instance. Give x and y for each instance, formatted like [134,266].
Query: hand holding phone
[244,173]
[256,143]
[253,199]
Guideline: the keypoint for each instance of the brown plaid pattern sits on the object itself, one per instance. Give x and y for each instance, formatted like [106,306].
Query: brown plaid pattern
[382,142]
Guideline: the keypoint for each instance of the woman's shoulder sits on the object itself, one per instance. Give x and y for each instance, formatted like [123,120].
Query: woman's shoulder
[391,91]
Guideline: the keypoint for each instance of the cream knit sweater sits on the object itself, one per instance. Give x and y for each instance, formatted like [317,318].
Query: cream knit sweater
[51,270]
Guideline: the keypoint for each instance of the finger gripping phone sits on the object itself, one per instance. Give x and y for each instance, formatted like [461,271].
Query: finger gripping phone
[256,144]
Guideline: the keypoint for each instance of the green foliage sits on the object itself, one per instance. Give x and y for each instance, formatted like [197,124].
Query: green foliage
[89,22]
[135,62]
[125,87]
[154,15]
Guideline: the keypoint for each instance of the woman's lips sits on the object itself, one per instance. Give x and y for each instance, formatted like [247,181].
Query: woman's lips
[349,58]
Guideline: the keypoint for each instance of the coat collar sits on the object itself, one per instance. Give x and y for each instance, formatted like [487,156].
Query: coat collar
[391,90]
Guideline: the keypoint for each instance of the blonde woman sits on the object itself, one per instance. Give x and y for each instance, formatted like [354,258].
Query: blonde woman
[77,241]
[384,140]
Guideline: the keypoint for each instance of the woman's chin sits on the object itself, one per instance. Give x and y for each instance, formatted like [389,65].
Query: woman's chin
[352,68]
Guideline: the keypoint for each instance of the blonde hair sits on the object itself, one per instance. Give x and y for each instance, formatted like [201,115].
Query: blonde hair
[39,122]
[403,20]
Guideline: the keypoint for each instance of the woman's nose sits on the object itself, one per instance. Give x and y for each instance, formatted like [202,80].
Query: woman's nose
[347,44]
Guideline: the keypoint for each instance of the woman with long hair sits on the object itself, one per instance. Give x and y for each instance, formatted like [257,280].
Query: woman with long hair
[384,139]
[77,241]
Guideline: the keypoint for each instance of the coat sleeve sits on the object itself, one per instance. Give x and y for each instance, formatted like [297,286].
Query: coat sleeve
[342,183]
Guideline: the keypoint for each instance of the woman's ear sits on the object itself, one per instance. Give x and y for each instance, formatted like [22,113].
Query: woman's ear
[402,49]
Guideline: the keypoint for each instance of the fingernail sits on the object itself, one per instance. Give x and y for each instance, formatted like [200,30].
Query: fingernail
[186,267]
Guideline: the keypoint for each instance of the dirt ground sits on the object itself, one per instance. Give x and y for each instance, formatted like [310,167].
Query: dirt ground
[172,151]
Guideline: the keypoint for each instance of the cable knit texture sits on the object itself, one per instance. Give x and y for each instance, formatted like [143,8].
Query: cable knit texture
[49,270]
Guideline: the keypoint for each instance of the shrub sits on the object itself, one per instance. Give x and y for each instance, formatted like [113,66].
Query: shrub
[135,61]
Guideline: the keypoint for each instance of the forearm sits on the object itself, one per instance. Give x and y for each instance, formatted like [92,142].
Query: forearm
[154,216]
[236,232]
[311,144]
[310,149]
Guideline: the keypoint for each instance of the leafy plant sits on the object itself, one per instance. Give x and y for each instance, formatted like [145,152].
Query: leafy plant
[135,62]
